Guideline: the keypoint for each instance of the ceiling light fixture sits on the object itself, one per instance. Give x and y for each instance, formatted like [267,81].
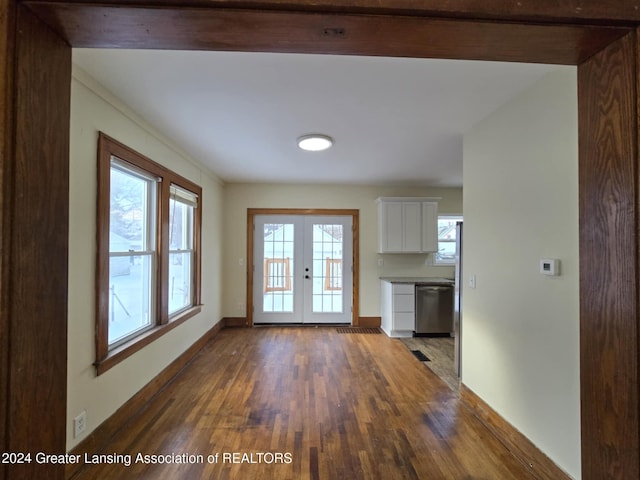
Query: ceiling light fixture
[315,142]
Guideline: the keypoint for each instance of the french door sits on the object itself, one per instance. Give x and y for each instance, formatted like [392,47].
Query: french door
[303,269]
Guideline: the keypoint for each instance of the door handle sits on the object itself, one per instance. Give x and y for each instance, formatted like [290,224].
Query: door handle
[306,276]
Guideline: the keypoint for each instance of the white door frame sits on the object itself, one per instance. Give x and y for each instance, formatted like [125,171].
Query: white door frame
[252,212]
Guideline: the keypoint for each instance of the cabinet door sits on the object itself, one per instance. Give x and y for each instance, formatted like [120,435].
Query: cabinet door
[411,227]
[429,227]
[404,321]
[407,226]
[390,228]
[404,303]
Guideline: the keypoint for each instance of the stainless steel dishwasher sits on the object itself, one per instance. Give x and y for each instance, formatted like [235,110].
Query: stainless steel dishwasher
[434,310]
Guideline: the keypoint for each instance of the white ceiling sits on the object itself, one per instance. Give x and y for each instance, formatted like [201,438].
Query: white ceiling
[395,121]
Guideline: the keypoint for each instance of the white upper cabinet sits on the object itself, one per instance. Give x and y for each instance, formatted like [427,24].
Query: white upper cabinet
[390,225]
[429,226]
[407,225]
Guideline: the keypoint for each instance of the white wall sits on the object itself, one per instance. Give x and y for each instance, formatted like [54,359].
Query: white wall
[520,328]
[239,197]
[94,109]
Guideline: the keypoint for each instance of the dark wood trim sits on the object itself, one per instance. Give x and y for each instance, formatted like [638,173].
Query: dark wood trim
[162,246]
[355,217]
[37,220]
[606,11]
[124,351]
[129,411]
[611,311]
[107,148]
[7,46]
[249,264]
[539,465]
[371,322]
[234,322]
[314,32]
[197,251]
[102,242]
[608,183]
[355,303]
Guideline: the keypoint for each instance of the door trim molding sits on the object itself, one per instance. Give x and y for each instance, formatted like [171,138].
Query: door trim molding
[355,216]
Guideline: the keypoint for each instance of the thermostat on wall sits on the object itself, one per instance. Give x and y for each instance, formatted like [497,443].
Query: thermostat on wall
[550,266]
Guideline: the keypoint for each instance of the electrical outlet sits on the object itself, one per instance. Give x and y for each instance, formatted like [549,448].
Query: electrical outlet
[79,424]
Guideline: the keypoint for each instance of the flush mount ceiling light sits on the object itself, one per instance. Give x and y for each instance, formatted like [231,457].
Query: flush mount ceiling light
[315,142]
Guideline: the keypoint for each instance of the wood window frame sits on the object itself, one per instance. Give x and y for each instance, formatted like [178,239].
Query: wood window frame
[107,358]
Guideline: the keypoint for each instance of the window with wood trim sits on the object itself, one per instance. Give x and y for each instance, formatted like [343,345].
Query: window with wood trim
[148,252]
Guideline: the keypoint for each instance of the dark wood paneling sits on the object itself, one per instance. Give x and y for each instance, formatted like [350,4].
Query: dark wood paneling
[7,37]
[39,239]
[278,31]
[535,461]
[538,10]
[608,183]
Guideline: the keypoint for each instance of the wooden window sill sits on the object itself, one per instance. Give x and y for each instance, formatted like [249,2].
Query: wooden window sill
[125,350]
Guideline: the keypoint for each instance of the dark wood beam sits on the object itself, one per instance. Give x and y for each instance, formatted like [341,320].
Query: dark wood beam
[304,32]
[7,46]
[33,283]
[608,184]
[37,249]
[604,11]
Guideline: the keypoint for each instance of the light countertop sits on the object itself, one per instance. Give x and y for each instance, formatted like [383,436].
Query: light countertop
[417,280]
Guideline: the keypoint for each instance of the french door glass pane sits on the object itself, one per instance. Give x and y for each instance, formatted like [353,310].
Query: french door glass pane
[180,280]
[130,295]
[277,285]
[327,268]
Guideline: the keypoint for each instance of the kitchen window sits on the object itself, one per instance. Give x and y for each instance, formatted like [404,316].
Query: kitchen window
[446,254]
[148,258]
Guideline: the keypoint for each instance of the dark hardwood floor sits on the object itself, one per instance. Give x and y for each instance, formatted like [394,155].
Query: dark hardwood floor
[338,406]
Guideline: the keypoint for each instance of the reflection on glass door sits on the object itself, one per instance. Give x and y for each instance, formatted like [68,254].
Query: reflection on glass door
[278,258]
[302,269]
[327,268]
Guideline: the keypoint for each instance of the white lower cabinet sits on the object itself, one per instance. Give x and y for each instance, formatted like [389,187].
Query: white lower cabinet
[398,308]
